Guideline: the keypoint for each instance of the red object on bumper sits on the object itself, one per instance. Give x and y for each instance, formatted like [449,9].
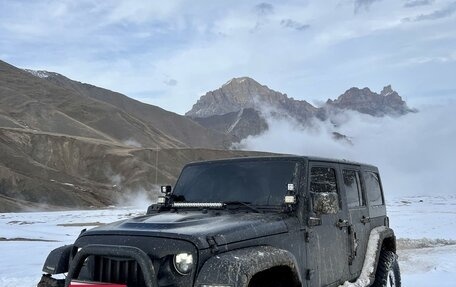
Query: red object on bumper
[94,284]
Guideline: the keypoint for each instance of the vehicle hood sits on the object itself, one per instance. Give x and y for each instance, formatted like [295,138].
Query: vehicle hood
[197,227]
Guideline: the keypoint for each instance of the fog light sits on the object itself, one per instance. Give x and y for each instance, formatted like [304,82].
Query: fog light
[183,263]
[290,199]
[161,200]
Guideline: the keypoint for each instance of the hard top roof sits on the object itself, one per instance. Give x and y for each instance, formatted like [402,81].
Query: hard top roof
[285,157]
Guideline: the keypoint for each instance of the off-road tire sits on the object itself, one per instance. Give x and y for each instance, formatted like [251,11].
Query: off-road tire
[48,281]
[273,283]
[388,274]
[273,279]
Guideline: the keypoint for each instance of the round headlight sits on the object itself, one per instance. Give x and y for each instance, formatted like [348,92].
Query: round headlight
[183,262]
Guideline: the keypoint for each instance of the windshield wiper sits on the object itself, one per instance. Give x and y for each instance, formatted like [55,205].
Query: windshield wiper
[242,203]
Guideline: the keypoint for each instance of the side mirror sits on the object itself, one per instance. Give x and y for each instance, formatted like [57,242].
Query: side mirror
[325,202]
[166,189]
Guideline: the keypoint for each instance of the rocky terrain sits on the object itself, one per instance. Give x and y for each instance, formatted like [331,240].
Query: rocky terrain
[238,125]
[242,106]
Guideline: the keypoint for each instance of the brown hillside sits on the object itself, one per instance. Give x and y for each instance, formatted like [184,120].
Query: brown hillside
[39,169]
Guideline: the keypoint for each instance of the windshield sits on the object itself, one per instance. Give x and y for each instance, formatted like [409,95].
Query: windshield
[258,182]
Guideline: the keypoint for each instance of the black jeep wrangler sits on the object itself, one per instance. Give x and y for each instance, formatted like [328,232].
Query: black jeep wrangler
[257,222]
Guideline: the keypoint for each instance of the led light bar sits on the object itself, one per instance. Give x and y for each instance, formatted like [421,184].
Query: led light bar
[198,204]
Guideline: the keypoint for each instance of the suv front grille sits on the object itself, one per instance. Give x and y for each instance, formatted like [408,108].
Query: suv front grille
[117,270]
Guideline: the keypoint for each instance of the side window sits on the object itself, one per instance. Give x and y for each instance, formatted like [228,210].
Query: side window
[352,184]
[374,191]
[323,189]
[323,179]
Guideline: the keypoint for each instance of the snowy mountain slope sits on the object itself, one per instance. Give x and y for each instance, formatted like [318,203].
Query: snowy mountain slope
[425,227]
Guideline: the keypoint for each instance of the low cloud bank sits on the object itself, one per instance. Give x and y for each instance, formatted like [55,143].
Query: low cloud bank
[139,198]
[416,153]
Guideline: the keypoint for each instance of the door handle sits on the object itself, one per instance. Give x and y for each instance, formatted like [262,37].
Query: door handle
[365,219]
[342,223]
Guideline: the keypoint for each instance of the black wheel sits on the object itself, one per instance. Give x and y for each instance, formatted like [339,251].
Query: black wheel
[271,283]
[388,274]
[275,277]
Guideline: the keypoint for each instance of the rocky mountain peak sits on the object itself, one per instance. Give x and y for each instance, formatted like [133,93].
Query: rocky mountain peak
[388,102]
[225,109]
[245,93]
[387,90]
[234,95]
[241,81]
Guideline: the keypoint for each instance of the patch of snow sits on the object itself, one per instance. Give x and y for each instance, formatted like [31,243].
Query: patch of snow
[68,184]
[423,217]
[21,261]
[227,83]
[39,74]
[428,266]
[234,124]
[132,142]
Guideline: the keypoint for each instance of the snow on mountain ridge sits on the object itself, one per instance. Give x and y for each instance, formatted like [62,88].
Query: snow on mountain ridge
[39,73]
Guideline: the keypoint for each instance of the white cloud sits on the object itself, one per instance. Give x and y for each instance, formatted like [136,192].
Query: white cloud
[443,12]
[415,153]
[138,11]
[425,60]
[130,46]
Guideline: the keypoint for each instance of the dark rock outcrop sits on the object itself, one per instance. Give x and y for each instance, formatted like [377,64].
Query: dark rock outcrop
[388,102]
[239,125]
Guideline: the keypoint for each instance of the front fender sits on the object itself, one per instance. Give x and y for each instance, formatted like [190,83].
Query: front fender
[237,267]
[58,260]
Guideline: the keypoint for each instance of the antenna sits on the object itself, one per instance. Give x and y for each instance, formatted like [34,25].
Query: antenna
[156,166]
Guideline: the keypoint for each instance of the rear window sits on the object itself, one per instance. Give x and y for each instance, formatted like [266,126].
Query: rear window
[352,184]
[374,191]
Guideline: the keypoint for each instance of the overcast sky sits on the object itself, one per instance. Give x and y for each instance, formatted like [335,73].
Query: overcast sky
[169,53]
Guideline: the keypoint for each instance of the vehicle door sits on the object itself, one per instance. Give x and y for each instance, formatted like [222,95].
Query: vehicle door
[327,248]
[359,229]
[374,196]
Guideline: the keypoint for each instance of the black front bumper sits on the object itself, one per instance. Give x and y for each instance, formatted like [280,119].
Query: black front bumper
[140,257]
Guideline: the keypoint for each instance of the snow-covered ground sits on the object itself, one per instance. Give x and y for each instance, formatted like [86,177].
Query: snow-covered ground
[27,238]
[426,232]
[425,227]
